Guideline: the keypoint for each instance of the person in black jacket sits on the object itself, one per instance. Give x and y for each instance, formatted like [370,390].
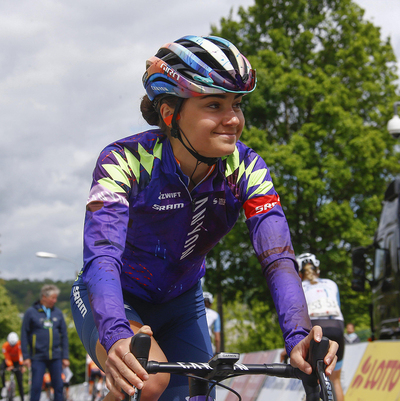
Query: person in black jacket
[44,342]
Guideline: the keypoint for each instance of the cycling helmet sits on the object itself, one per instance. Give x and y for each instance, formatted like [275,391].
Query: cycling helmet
[12,338]
[208,297]
[194,66]
[305,258]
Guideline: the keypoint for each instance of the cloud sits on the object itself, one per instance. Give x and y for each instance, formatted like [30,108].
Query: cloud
[70,83]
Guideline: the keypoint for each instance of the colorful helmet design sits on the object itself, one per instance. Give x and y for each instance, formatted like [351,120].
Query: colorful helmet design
[195,65]
[208,297]
[305,258]
[12,338]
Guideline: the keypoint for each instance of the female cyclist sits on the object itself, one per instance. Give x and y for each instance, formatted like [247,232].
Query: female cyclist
[160,200]
[323,302]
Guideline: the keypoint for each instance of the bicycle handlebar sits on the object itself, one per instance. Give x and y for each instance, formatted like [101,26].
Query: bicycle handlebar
[224,365]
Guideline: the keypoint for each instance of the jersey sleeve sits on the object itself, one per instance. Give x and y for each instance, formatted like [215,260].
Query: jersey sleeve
[105,230]
[6,353]
[270,236]
[20,357]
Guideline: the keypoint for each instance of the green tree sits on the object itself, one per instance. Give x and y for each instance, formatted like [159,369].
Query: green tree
[246,330]
[9,316]
[24,293]
[77,352]
[325,90]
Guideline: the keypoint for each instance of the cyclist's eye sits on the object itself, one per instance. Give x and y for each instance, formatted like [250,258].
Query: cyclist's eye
[238,105]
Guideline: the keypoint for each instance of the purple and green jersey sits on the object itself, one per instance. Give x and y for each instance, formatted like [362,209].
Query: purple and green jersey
[147,234]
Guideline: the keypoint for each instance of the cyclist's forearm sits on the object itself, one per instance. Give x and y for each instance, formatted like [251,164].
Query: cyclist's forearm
[104,286]
[287,293]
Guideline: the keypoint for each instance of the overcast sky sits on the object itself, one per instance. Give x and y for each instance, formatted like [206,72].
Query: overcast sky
[70,83]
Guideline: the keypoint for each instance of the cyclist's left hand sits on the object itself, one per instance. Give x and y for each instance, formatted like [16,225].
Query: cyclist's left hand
[299,354]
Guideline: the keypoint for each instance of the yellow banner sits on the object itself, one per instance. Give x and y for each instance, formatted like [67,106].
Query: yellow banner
[378,374]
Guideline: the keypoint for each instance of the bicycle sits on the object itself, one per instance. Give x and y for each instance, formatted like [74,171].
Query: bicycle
[11,385]
[225,365]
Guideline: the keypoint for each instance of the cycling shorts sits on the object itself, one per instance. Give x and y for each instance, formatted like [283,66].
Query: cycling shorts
[179,326]
[334,330]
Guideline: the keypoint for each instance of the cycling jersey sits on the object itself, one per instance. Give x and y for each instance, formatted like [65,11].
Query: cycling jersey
[323,299]
[147,234]
[213,321]
[12,354]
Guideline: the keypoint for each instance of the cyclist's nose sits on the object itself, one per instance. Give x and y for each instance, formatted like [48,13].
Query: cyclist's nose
[231,118]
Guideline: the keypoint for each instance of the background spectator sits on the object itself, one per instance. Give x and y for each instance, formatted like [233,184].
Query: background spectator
[213,322]
[44,342]
[351,336]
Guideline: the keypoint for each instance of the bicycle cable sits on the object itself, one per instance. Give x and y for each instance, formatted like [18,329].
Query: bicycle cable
[215,383]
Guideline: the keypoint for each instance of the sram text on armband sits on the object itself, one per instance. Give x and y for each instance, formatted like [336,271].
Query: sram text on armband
[262,204]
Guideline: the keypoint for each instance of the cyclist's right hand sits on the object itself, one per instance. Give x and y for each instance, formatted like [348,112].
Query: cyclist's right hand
[123,370]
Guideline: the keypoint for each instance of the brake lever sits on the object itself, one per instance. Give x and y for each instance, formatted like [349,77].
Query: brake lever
[317,355]
[313,389]
[140,348]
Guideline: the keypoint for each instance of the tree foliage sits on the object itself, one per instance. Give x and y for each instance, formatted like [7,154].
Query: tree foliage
[24,293]
[9,316]
[77,352]
[325,91]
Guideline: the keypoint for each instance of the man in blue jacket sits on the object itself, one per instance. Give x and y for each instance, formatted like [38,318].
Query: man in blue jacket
[44,342]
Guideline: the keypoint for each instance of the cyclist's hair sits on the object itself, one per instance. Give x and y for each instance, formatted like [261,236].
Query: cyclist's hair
[49,289]
[151,110]
[309,273]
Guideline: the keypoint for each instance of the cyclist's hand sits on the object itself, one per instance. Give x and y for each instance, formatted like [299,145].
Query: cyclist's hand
[299,354]
[123,370]
[10,368]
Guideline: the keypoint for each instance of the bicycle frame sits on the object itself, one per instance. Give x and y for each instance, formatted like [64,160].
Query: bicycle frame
[224,365]
[11,385]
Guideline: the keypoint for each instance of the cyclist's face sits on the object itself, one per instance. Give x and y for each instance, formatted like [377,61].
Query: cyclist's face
[212,123]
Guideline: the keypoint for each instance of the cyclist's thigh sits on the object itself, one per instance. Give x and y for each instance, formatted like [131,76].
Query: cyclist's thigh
[156,354]
[83,318]
[85,326]
[183,336]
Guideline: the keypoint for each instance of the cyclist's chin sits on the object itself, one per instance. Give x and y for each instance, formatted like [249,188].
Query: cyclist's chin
[223,149]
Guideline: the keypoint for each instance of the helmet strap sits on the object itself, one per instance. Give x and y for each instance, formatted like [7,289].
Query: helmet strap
[176,133]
